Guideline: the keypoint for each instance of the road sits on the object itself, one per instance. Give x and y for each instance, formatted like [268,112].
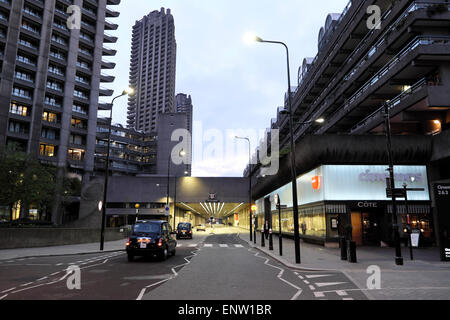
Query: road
[209,267]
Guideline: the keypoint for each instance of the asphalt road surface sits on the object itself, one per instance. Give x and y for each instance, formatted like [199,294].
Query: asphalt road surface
[209,267]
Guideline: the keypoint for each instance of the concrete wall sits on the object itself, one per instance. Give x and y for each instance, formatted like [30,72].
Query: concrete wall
[43,237]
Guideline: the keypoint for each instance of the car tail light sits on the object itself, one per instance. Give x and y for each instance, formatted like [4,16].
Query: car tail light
[128,242]
[190,231]
[160,242]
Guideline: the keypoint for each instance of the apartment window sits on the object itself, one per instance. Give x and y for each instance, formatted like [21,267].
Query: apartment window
[26,60]
[30,27]
[49,117]
[79,109]
[48,134]
[47,150]
[76,154]
[54,85]
[52,102]
[55,70]
[18,109]
[80,94]
[21,93]
[76,139]
[79,124]
[18,127]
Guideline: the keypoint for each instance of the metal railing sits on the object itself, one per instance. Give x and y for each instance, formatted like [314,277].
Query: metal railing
[417,41]
[392,103]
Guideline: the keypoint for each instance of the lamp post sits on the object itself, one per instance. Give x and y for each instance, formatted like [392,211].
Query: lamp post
[398,249]
[250,184]
[182,154]
[249,37]
[129,91]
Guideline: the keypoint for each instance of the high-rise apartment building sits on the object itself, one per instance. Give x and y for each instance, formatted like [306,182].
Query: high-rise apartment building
[152,71]
[51,72]
[184,105]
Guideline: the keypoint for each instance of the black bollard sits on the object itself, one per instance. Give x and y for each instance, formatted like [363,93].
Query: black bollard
[270,240]
[343,245]
[352,252]
[263,244]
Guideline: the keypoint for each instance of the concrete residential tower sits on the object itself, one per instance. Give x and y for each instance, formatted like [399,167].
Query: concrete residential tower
[50,79]
[152,71]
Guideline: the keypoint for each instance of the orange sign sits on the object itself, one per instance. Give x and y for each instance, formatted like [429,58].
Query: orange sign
[316,183]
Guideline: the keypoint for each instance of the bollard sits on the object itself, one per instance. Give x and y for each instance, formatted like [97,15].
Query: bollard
[352,251]
[270,240]
[263,244]
[343,245]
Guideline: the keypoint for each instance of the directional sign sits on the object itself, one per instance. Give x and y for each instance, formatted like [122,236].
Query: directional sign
[399,193]
[442,195]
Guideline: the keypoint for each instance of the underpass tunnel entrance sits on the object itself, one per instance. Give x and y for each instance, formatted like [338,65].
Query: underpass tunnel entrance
[201,213]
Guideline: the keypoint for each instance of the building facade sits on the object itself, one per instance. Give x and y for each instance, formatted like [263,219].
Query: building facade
[132,152]
[402,62]
[184,105]
[51,76]
[152,71]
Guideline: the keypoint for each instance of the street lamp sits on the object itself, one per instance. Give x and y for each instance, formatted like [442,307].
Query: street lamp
[250,183]
[129,91]
[250,37]
[398,249]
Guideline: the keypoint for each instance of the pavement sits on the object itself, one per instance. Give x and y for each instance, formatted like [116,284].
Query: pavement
[424,278]
[76,249]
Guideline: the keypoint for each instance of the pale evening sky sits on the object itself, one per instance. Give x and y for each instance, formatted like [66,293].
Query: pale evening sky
[233,86]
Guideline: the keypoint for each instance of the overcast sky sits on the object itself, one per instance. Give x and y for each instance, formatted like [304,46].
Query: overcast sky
[234,87]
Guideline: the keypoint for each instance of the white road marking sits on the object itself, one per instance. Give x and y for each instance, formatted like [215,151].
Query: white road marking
[329,284]
[238,245]
[280,275]
[59,264]
[141,294]
[8,290]
[319,294]
[223,246]
[193,245]
[306,281]
[319,276]
[342,293]
[312,288]
[208,245]
[348,299]
[26,284]
[1,298]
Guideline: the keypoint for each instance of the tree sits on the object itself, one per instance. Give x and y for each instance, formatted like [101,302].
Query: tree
[11,173]
[26,180]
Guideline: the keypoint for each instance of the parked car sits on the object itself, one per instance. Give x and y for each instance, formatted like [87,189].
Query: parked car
[151,238]
[184,231]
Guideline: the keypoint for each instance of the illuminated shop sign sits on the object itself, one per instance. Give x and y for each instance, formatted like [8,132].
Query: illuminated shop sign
[369,176]
[358,183]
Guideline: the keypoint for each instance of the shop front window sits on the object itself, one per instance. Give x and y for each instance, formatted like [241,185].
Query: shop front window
[312,222]
[4,214]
